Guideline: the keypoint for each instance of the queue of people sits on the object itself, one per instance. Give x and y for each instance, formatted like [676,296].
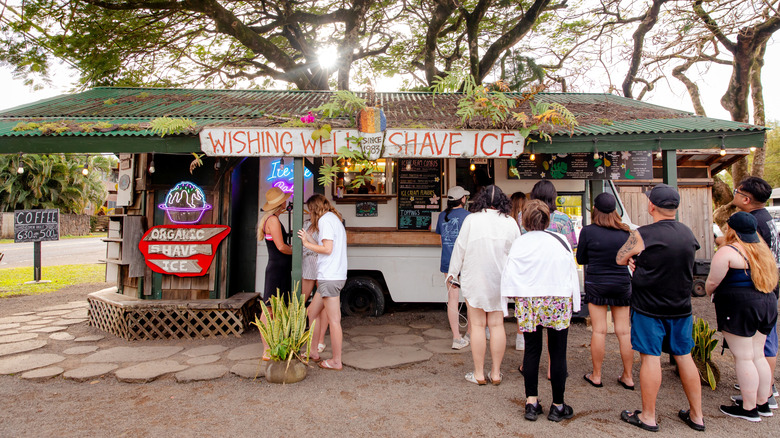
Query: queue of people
[644,277]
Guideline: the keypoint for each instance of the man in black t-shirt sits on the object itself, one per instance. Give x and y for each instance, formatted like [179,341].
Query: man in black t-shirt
[750,196]
[662,256]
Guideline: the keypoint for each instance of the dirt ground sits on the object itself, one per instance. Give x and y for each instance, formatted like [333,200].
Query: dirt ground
[425,399]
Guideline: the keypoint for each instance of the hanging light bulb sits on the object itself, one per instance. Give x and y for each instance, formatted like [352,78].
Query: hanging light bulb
[19,167]
[533,155]
[85,170]
[722,145]
[151,164]
[659,154]
[473,167]
[595,153]
[281,163]
[752,148]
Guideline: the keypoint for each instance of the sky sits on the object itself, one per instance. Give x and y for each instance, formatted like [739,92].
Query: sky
[712,85]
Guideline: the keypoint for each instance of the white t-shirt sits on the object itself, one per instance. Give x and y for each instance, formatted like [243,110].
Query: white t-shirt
[332,266]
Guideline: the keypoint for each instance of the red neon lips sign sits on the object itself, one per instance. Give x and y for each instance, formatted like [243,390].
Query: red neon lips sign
[182,250]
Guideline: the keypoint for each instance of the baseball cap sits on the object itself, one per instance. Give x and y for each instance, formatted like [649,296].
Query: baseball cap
[664,196]
[745,225]
[605,203]
[457,192]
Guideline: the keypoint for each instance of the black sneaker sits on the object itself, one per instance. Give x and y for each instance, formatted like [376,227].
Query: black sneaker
[564,412]
[532,411]
[763,410]
[737,412]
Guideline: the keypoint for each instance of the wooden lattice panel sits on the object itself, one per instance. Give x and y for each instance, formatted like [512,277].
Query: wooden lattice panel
[139,320]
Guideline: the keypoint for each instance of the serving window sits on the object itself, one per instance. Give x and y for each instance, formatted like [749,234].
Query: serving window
[355,182]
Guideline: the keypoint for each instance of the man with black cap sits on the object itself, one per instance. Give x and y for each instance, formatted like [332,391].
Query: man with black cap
[662,255]
[750,196]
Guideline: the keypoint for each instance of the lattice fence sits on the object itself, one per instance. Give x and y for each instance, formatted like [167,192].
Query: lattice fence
[151,321]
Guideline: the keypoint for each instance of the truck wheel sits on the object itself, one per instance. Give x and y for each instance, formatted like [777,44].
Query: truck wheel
[362,296]
[698,288]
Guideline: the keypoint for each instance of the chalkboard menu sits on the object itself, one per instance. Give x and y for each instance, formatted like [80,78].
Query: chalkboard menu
[419,192]
[626,165]
[36,225]
[366,209]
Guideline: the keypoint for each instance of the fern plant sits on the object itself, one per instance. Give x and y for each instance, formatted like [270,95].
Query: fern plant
[172,125]
[343,103]
[284,329]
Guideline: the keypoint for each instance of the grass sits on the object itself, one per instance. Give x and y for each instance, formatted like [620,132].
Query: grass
[12,280]
[103,234]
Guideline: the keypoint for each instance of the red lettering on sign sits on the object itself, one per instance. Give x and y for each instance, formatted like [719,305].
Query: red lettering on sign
[239,141]
[308,143]
[191,235]
[427,143]
[286,140]
[504,140]
[453,142]
[482,144]
[414,143]
[218,145]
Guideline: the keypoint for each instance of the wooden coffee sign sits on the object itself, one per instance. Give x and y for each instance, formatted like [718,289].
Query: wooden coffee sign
[36,225]
[182,250]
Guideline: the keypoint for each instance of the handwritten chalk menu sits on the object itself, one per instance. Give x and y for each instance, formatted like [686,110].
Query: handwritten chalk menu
[36,225]
[419,192]
[626,165]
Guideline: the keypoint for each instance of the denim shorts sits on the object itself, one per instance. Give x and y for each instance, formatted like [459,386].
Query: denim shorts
[652,336]
[770,347]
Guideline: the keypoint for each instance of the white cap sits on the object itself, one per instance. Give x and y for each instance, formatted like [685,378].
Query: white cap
[456,193]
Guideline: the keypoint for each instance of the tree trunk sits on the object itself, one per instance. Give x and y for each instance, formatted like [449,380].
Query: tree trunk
[649,20]
[693,89]
[759,116]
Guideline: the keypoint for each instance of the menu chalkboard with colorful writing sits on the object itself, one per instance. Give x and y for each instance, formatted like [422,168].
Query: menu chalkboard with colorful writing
[419,192]
[626,165]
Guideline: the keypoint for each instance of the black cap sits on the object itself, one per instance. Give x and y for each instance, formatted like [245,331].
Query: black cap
[745,225]
[605,203]
[664,196]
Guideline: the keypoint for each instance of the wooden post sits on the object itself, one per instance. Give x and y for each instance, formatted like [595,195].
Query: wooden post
[37,261]
[297,215]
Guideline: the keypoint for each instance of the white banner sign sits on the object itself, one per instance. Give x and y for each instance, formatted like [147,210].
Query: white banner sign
[398,143]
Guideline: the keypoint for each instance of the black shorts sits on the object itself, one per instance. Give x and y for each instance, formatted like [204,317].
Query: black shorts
[742,311]
[601,294]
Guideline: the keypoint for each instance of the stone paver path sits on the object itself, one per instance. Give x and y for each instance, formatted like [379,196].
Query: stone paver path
[83,359]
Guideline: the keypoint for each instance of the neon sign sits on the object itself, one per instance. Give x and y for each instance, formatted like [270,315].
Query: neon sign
[282,176]
[185,203]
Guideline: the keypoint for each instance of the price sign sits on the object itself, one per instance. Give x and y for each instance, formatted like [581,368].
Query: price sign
[36,225]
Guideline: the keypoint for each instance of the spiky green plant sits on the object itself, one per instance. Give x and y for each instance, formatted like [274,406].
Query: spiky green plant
[284,328]
[703,344]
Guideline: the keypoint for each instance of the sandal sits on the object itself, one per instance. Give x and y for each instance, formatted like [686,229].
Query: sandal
[494,381]
[633,419]
[685,416]
[625,385]
[325,364]
[470,377]
[587,379]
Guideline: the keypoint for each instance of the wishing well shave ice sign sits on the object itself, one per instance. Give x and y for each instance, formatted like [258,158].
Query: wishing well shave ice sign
[182,250]
[398,143]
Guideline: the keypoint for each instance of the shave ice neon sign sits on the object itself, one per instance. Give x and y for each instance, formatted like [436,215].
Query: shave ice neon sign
[282,176]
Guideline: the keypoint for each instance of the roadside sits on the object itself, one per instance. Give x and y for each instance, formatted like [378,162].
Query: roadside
[428,398]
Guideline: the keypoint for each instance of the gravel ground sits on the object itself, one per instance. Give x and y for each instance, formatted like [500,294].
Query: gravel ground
[424,399]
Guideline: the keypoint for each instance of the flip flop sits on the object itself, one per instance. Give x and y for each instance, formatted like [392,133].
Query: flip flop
[624,385]
[633,419]
[327,366]
[685,416]
[587,379]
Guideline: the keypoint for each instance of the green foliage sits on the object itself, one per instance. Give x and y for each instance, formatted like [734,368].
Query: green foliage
[284,329]
[606,122]
[772,157]
[703,346]
[23,126]
[110,101]
[172,125]
[322,132]
[52,181]
[347,156]
[344,103]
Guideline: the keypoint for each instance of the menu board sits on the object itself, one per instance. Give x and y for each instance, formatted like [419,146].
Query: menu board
[36,225]
[625,165]
[419,192]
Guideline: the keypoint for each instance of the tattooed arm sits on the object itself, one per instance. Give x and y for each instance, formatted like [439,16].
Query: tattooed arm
[633,246]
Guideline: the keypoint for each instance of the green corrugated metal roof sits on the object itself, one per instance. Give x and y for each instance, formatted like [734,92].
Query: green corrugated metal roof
[600,115]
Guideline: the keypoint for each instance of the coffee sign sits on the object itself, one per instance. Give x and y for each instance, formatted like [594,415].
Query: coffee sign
[182,250]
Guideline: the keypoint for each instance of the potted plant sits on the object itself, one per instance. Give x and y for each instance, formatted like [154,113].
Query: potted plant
[702,352]
[284,329]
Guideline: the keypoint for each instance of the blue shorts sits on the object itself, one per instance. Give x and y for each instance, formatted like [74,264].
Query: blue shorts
[652,336]
[770,347]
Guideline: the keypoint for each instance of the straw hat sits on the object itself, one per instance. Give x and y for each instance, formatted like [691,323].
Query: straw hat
[274,197]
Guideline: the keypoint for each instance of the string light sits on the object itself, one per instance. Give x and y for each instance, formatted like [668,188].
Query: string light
[472,167]
[19,167]
[722,145]
[660,153]
[752,148]
[151,164]
[281,163]
[533,154]
[595,153]
[85,170]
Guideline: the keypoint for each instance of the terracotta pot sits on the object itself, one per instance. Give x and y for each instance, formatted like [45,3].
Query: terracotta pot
[280,372]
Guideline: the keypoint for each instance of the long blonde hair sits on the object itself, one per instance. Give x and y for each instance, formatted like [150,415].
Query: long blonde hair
[318,205]
[763,269]
[264,219]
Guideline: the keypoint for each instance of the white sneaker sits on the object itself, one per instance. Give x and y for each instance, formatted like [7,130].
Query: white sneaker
[458,344]
[772,402]
[520,342]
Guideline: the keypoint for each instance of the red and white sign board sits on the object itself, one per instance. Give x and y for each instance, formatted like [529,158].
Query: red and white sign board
[182,250]
[398,143]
